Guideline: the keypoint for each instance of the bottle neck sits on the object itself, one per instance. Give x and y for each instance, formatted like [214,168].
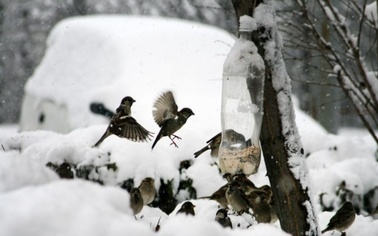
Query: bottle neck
[245,35]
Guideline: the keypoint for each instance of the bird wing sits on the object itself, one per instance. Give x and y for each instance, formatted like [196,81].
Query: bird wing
[129,128]
[341,216]
[164,108]
[215,138]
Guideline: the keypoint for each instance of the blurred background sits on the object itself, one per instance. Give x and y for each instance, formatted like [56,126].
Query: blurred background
[25,25]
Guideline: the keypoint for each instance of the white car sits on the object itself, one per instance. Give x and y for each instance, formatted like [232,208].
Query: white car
[101,59]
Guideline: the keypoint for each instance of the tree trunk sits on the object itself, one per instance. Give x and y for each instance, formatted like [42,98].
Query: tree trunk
[282,150]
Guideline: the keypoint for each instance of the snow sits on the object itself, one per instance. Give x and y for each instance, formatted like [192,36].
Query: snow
[247,24]
[371,12]
[49,210]
[34,201]
[111,52]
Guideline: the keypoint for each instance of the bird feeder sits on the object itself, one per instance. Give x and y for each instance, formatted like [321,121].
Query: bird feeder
[242,104]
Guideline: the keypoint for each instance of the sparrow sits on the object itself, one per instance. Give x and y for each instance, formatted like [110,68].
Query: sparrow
[343,218]
[246,185]
[136,201]
[263,191]
[374,212]
[237,198]
[261,208]
[147,190]
[222,218]
[167,116]
[213,145]
[187,208]
[65,171]
[232,139]
[268,190]
[219,196]
[124,125]
[100,109]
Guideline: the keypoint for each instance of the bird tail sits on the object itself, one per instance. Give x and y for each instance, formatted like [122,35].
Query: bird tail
[206,197]
[158,137]
[196,154]
[325,230]
[103,137]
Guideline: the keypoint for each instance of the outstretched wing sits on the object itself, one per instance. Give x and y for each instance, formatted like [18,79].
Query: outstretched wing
[129,128]
[165,108]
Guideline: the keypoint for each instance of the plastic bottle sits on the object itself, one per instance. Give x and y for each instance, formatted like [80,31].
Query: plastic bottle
[242,108]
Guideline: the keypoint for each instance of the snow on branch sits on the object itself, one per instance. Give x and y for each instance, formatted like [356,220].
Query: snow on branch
[266,19]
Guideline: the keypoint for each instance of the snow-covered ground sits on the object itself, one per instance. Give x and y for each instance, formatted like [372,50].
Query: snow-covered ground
[35,201]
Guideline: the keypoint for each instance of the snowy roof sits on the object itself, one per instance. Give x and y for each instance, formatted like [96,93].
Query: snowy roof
[104,58]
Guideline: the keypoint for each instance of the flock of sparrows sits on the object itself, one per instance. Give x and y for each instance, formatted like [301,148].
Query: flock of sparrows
[166,115]
[242,195]
[142,195]
[239,192]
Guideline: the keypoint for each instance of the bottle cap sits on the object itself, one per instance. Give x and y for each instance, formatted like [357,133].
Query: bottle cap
[247,24]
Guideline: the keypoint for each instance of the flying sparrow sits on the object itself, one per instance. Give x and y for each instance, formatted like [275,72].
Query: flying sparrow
[187,208]
[125,126]
[222,218]
[167,116]
[136,201]
[212,144]
[237,198]
[343,218]
[219,196]
[147,190]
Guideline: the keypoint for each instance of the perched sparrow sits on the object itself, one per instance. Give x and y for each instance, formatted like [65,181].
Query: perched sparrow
[100,109]
[187,208]
[374,212]
[268,190]
[65,171]
[232,139]
[125,126]
[136,201]
[168,117]
[219,196]
[246,185]
[222,218]
[264,191]
[147,190]
[343,218]
[261,208]
[213,145]
[237,198]
[228,177]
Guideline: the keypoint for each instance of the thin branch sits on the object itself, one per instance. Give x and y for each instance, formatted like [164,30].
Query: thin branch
[360,27]
[316,83]
[362,117]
